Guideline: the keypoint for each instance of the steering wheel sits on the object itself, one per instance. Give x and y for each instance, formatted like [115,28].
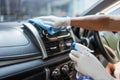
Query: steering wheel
[109,44]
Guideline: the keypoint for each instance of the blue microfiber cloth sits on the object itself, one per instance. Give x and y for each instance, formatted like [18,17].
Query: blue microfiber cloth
[50,29]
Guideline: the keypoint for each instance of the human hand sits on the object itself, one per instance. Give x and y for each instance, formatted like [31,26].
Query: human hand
[54,21]
[87,64]
[117,71]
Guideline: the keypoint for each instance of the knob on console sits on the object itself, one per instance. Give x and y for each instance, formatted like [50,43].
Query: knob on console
[65,69]
[56,73]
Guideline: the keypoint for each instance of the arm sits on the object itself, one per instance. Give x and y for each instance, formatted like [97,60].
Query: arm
[97,22]
[93,22]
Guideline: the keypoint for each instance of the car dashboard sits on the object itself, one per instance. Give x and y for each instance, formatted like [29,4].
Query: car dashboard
[28,52]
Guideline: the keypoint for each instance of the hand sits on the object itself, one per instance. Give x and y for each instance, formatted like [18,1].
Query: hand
[117,71]
[56,22]
[87,64]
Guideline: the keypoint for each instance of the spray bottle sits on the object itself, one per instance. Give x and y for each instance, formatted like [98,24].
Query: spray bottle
[79,47]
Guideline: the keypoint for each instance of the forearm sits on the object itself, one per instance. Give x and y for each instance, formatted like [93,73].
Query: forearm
[94,22]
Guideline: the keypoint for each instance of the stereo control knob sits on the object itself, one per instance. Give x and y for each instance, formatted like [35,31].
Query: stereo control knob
[65,68]
[56,73]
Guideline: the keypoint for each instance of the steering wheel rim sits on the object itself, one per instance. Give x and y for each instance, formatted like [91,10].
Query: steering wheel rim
[107,51]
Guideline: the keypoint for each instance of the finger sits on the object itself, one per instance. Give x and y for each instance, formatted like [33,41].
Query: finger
[48,23]
[75,53]
[76,67]
[42,17]
[83,48]
[49,18]
[73,57]
[81,54]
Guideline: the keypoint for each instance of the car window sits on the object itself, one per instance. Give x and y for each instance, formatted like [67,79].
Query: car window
[12,10]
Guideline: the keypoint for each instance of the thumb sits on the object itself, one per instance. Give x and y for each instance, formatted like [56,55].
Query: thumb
[74,55]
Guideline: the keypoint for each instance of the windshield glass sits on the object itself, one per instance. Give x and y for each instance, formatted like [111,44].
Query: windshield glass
[16,10]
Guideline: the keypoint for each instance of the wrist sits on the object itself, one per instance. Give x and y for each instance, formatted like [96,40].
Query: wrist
[68,21]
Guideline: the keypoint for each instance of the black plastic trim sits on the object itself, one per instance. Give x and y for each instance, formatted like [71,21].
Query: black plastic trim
[16,69]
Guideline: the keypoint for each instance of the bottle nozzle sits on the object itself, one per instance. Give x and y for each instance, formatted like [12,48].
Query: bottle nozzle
[73,45]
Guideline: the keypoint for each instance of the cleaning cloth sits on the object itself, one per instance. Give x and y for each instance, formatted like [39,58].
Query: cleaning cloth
[50,29]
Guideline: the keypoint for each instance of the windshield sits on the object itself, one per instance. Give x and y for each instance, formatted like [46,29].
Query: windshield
[15,10]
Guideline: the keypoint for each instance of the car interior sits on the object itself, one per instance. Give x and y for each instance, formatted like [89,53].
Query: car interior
[28,52]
